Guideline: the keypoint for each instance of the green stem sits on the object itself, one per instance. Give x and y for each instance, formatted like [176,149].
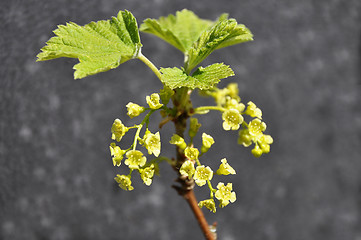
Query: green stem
[205,108]
[140,126]
[210,188]
[150,65]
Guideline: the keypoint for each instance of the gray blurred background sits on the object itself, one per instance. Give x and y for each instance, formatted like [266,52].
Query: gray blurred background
[303,70]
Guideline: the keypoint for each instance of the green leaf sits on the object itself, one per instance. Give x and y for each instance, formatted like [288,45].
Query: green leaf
[99,46]
[211,75]
[203,78]
[224,33]
[181,30]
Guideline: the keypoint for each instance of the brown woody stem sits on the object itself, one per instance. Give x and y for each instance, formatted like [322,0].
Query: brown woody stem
[186,189]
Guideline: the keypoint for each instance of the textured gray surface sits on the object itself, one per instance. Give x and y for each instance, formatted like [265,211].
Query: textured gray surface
[303,70]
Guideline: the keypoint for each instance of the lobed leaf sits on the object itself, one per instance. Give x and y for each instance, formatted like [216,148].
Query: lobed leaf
[202,78]
[99,46]
[181,30]
[224,33]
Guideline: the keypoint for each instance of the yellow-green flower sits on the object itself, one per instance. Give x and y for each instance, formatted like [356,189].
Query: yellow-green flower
[220,96]
[244,137]
[135,159]
[253,111]
[134,110]
[208,203]
[264,143]
[207,142]
[116,153]
[257,151]
[202,174]
[224,194]
[153,101]
[266,139]
[256,127]
[124,182]
[147,174]
[178,141]
[152,142]
[225,168]
[233,91]
[193,127]
[187,169]
[191,153]
[231,119]
[118,130]
[233,103]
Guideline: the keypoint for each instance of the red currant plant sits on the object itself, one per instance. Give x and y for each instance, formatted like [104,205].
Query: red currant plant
[104,45]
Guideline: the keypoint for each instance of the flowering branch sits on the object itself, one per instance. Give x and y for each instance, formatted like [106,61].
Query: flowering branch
[104,45]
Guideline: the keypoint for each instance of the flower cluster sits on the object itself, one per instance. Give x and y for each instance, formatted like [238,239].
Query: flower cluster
[201,174]
[253,133]
[233,111]
[135,159]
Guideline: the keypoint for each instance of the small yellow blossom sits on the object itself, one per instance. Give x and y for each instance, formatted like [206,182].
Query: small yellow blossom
[117,154]
[178,141]
[253,111]
[232,119]
[134,110]
[233,91]
[191,153]
[202,174]
[153,101]
[147,174]
[118,130]
[208,203]
[225,168]
[135,159]
[256,127]
[257,151]
[244,137]
[152,142]
[220,96]
[207,142]
[187,169]
[124,182]
[224,194]
[233,103]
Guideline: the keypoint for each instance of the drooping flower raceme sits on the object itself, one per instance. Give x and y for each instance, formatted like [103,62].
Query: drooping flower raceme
[153,101]
[224,194]
[152,143]
[124,182]
[202,174]
[118,130]
[135,159]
